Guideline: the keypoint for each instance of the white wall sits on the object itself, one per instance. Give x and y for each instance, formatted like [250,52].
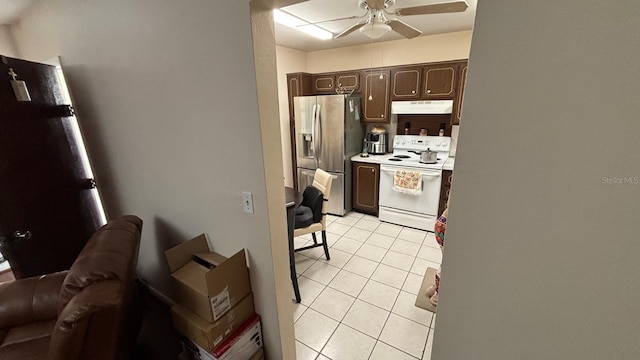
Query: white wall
[442,47]
[541,257]
[166,95]
[7,45]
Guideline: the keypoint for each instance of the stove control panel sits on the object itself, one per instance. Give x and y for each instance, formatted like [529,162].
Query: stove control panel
[422,143]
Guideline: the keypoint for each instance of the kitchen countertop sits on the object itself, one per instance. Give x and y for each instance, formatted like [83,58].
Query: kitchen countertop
[448,165]
[372,159]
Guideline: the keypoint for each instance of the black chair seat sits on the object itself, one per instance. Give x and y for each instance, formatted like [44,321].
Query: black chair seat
[303,217]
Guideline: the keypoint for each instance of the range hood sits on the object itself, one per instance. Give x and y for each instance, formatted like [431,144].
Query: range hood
[422,107]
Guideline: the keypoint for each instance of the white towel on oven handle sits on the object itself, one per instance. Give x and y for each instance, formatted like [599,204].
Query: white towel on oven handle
[407,182]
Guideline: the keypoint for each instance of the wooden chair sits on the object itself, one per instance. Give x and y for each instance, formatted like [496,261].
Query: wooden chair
[311,217]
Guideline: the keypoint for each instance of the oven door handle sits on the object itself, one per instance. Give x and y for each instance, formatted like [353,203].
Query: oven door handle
[423,174]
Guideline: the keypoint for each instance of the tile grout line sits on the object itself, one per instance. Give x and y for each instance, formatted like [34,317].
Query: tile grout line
[369,279]
[350,307]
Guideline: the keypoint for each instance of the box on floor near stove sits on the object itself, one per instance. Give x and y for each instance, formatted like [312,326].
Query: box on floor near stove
[244,344]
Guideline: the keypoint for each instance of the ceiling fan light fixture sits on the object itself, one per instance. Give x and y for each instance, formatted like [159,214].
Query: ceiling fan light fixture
[375,29]
[294,22]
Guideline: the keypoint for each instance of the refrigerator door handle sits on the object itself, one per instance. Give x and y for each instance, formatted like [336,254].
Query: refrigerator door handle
[319,123]
[313,133]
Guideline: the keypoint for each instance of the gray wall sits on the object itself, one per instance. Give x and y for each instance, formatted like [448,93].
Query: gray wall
[166,96]
[542,252]
[7,45]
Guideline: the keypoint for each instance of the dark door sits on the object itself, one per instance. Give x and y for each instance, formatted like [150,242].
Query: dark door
[49,205]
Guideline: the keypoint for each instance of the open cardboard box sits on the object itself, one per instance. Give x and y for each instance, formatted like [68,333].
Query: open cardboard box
[208,283]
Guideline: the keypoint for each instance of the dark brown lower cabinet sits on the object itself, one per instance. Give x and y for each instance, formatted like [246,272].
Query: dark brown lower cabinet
[445,190]
[366,180]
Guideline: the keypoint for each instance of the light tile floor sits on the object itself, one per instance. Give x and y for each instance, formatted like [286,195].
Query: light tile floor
[360,304]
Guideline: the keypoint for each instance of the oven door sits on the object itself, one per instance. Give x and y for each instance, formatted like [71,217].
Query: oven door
[425,203]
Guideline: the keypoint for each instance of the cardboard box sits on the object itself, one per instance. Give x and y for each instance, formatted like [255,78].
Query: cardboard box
[209,335]
[207,283]
[245,343]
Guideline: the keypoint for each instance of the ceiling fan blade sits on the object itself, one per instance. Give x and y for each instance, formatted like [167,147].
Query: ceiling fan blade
[375,4]
[351,29]
[337,19]
[450,7]
[404,29]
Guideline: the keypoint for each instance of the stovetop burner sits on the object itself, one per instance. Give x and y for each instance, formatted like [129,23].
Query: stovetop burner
[395,159]
[430,162]
[402,156]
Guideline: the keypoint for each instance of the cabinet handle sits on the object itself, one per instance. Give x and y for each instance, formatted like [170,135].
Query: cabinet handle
[382,116]
[413,91]
[339,84]
[330,85]
[428,91]
[373,170]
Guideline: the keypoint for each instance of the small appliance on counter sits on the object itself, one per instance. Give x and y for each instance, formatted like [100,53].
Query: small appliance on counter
[376,140]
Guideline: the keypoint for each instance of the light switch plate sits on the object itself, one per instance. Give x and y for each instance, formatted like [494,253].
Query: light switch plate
[247,202]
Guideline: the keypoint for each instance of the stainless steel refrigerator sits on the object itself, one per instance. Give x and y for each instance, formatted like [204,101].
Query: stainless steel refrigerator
[328,134]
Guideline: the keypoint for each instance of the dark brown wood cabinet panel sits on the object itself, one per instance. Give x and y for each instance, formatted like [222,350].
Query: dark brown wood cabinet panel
[298,84]
[349,80]
[375,96]
[366,180]
[439,81]
[405,83]
[457,103]
[323,84]
[445,190]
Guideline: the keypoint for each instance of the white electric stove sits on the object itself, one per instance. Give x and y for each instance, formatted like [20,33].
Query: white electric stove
[417,211]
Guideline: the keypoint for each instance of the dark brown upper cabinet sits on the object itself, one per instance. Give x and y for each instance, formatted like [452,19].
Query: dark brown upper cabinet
[439,81]
[457,104]
[348,80]
[405,83]
[298,84]
[375,96]
[323,84]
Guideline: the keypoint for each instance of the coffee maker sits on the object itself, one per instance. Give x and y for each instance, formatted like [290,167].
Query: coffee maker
[376,142]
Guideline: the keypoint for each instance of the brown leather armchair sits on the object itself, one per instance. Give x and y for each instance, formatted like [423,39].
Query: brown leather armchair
[87,312]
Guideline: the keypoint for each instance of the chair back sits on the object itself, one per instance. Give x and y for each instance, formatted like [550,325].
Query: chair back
[322,180]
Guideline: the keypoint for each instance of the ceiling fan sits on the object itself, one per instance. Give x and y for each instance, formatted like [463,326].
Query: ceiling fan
[377,24]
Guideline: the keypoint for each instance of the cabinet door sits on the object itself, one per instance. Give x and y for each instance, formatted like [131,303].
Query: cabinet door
[457,106]
[405,83]
[439,81]
[349,80]
[375,97]
[366,178]
[298,84]
[445,190]
[295,89]
[323,84]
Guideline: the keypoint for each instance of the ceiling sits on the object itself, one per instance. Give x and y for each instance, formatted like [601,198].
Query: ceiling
[10,10]
[319,10]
